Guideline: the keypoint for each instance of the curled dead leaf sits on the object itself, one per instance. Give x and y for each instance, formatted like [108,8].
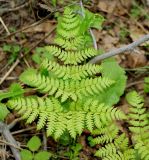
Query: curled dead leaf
[136,59]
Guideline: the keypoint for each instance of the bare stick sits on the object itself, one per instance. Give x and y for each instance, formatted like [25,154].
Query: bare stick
[10,70]
[10,78]
[9,144]
[1,20]
[91,32]
[94,39]
[44,140]
[120,50]
[9,138]
[23,130]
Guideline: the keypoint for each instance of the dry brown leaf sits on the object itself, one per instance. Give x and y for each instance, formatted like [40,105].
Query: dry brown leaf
[126,3]
[109,41]
[46,26]
[114,6]
[136,59]
[97,34]
[107,6]
[136,33]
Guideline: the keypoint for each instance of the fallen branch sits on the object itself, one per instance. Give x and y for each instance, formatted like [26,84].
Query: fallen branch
[4,130]
[120,50]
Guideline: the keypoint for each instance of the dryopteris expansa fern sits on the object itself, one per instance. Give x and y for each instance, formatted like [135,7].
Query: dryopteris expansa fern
[113,145]
[66,86]
[58,118]
[139,121]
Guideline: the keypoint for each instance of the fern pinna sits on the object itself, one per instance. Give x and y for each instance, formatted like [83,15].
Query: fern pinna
[68,86]
[139,121]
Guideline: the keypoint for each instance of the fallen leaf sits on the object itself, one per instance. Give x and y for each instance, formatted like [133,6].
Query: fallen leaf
[126,3]
[107,6]
[109,41]
[46,26]
[136,33]
[114,7]
[136,59]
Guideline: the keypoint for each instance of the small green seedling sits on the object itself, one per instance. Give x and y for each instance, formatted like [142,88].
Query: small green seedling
[124,32]
[33,152]
[74,151]
[138,11]
[13,50]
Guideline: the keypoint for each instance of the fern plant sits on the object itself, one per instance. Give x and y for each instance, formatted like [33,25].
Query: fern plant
[139,121]
[114,146]
[68,87]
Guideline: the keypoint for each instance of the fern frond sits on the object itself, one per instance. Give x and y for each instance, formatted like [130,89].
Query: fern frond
[109,149]
[139,124]
[71,57]
[121,141]
[107,134]
[113,145]
[142,148]
[92,86]
[110,152]
[70,72]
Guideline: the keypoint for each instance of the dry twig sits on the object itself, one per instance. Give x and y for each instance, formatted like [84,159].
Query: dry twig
[23,130]
[1,20]
[44,140]
[120,50]
[4,130]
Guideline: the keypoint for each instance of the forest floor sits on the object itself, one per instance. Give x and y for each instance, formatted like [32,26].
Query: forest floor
[25,25]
